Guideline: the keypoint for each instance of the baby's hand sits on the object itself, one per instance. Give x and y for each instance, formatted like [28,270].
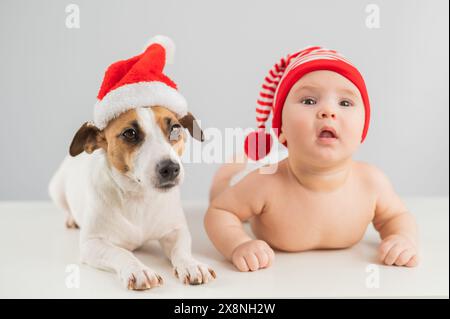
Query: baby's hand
[398,250]
[252,255]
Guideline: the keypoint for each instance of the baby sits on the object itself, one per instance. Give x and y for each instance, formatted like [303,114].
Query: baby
[318,197]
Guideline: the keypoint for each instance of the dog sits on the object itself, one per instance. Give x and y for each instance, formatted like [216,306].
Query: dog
[120,186]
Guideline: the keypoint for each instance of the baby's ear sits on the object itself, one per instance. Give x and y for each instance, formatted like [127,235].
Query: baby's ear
[282,138]
[188,121]
[88,138]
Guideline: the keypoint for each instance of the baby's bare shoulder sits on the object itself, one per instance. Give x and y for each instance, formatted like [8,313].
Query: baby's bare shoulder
[370,175]
[265,176]
[248,196]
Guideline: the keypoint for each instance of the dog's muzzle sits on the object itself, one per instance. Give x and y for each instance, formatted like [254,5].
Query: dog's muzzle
[167,172]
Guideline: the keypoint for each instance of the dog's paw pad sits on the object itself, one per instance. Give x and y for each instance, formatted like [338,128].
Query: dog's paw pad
[194,273]
[140,278]
[71,224]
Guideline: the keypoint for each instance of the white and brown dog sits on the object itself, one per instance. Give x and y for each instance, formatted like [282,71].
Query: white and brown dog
[120,184]
[124,191]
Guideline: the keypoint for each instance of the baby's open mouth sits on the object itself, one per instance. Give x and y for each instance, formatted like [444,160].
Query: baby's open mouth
[328,133]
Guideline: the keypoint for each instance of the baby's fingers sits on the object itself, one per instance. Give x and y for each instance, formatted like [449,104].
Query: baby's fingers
[413,262]
[252,261]
[263,258]
[385,248]
[404,257]
[393,254]
[271,255]
[240,263]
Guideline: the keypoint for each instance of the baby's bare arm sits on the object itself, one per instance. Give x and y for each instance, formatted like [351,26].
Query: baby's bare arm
[227,211]
[391,215]
[397,227]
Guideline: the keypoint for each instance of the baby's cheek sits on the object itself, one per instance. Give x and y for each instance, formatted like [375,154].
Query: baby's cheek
[353,127]
[359,124]
[296,123]
[298,132]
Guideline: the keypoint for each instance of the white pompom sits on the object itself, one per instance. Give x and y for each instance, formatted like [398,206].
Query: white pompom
[168,44]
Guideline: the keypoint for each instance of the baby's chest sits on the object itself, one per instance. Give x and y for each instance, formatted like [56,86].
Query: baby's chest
[324,220]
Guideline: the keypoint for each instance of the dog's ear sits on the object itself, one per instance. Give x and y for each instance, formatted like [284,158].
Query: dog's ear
[188,121]
[88,138]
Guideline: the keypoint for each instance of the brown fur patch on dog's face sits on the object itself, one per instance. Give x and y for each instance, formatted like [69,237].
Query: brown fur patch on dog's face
[169,125]
[123,137]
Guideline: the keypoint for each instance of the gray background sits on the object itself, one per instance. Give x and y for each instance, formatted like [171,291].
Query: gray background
[50,75]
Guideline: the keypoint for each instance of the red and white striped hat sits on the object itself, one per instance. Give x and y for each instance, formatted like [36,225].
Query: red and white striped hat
[139,81]
[280,80]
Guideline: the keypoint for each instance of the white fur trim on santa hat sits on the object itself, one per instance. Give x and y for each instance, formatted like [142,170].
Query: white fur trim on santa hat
[135,95]
[168,45]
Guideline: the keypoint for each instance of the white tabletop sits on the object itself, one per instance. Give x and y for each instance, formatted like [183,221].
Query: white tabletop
[39,258]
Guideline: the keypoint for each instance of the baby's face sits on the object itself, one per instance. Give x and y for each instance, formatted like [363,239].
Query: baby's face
[323,118]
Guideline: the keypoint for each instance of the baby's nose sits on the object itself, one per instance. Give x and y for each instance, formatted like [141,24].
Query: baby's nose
[326,113]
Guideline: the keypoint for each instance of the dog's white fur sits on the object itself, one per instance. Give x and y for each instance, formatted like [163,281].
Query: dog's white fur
[118,213]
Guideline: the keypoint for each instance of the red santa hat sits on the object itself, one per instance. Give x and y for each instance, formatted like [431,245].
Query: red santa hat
[139,81]
[280,80]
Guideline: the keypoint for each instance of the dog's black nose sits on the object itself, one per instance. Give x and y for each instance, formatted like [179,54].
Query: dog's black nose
[167,170]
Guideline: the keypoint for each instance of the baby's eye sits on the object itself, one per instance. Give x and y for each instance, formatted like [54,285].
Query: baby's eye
[345,103]
[308,101]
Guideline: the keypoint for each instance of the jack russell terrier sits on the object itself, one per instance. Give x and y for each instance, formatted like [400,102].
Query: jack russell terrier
[120,184]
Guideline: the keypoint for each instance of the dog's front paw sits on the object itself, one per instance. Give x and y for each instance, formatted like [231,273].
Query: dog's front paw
[194,273]
[139,277]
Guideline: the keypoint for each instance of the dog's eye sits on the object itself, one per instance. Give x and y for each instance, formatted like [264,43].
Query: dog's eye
[130,134]
[175,132]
